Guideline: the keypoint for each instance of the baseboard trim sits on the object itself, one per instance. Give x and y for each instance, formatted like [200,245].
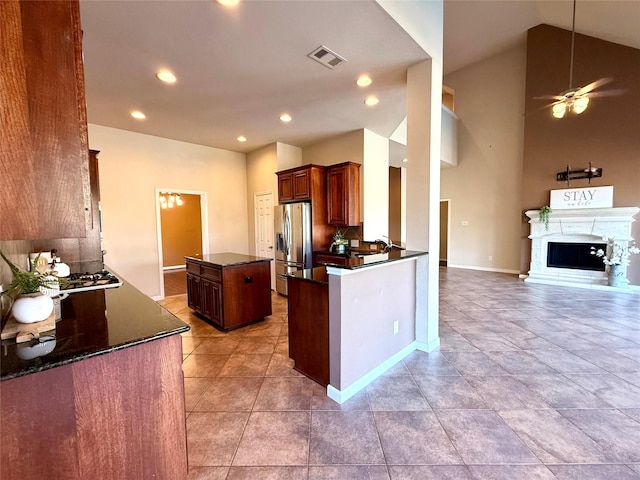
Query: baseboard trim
[485,269]
[342,396]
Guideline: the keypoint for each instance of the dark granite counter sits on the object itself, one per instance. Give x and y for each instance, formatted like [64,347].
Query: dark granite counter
[92,323]
[227,258]
[316,275]
[357,260]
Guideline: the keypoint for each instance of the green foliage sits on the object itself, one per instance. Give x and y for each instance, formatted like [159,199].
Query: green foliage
[544,215]
[25,282]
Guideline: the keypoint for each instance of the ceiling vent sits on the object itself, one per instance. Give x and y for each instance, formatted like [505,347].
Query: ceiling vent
[326,57]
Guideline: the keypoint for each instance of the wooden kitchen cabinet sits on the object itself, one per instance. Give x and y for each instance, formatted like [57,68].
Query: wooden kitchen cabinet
[300,183]
[308,183]
[230,290]
[343,194]
[324,258]
[45,176]
[308,307]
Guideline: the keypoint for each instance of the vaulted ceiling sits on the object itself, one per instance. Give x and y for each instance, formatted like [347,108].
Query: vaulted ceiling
[238,69]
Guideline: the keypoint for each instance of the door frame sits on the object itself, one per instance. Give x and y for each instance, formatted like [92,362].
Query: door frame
[204,217]
[255,232]
[448,236]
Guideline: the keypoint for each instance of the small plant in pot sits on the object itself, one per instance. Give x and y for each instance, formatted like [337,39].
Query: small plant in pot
[340,243]
[31,293]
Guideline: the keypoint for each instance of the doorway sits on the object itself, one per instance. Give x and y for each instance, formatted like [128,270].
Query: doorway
[444,232]
[264,228]
[181,220]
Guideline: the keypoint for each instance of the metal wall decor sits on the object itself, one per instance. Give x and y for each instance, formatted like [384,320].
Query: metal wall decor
[568,174]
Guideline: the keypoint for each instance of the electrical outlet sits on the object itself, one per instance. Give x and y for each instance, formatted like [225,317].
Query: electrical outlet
[396,326]
[490,258]
[464,223]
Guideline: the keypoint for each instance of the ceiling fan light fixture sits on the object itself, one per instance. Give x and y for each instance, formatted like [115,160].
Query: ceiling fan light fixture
[580,104]
[559,109]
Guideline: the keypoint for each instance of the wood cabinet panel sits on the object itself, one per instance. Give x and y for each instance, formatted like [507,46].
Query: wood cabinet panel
[114,416]
[308,183]
[308,304]
[43,120]
[240,295]
[343,194]
[327,258]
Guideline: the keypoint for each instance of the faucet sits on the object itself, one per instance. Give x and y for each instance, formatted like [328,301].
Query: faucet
[388,244]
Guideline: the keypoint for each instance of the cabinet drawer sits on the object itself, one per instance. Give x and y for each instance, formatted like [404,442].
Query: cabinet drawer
[210,272]
[193,268]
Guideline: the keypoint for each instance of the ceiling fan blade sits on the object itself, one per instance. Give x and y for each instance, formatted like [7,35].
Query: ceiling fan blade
[549,97]
[607,93]
[593,86]
[541,108]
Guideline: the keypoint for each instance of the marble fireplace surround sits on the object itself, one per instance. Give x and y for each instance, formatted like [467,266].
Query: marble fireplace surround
[587,225]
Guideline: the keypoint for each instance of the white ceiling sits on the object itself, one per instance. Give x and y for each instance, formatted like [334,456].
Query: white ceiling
[239,69]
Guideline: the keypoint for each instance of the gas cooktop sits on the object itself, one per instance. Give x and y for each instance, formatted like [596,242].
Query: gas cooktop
[82,282]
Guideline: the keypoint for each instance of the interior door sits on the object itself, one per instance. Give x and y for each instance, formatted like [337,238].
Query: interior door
[264,229]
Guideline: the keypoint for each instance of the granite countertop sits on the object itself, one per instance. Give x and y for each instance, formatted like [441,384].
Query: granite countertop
[228,258]
[317,275]
[92,323]
[320,275]
[356,260]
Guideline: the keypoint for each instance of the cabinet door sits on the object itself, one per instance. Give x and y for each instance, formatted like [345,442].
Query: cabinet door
[193,292]
[302,185]
[45,182]
[216,313]
[285,187]
[343,194]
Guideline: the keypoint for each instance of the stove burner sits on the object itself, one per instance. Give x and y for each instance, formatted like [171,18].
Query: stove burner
[79,282]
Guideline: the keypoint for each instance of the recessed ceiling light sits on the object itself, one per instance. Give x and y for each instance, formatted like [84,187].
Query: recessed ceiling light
[229,3]
[364,81]
[285,117]
[371,101]
[166,76]
[138,115]
[242,138]
[405,160]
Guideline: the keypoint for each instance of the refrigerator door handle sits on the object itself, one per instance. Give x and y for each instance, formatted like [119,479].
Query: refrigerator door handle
[287,233]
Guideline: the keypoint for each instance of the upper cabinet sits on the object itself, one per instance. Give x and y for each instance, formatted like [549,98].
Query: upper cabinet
[44,181]
[299,184]
[343,194]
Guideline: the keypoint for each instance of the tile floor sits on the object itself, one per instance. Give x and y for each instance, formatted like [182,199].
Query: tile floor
[530,382]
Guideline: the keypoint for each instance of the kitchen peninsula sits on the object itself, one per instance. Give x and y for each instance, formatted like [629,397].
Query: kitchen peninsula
[348,324]
[106,402]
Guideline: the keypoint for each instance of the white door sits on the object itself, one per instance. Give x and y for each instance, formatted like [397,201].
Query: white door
[263,204]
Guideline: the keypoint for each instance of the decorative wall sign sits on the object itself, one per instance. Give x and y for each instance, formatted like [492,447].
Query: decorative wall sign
[590,197]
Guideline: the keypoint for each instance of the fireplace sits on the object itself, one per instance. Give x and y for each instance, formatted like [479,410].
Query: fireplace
[575,255]
[560,255]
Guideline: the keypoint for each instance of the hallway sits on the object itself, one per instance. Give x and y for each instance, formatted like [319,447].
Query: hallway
[530,382]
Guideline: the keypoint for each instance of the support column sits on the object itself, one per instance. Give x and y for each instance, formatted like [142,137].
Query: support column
[424,91]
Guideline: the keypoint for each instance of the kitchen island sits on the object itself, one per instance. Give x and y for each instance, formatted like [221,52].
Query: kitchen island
[104,400]
[368,315]
[229,289]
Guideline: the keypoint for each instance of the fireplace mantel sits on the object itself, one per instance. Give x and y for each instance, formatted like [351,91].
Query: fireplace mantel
[576,226]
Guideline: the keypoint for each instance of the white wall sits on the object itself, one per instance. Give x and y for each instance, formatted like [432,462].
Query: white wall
[374,186]
[288,156]
[132,166]
[485,186]
[342,148]
[261,167]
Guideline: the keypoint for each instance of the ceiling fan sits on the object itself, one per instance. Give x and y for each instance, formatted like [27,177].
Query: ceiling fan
[576,99]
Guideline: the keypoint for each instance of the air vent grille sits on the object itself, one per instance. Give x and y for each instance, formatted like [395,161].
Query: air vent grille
[326,57]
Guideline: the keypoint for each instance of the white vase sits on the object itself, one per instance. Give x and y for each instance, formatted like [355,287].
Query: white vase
[31,308]
[617,276]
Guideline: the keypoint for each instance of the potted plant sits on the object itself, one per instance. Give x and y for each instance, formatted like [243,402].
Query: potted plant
[31,292]
[340,243]
[617,258]
[543,215]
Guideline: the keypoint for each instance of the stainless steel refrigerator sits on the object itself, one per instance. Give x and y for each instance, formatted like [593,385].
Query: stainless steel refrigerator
[293,241]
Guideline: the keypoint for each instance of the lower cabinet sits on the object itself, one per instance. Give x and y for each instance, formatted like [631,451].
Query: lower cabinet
[308,304]
[229,295]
